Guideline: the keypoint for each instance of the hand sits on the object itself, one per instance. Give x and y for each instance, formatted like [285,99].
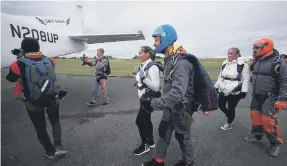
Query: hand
[62,94]
[136,70]
[142,75]
[242,95]
[280,105]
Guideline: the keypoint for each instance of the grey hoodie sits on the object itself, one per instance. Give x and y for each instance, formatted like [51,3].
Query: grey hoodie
[179,87]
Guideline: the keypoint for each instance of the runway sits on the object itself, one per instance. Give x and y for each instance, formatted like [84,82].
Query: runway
[107,136]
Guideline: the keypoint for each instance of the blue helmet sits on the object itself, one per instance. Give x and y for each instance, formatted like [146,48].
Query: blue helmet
[168,36]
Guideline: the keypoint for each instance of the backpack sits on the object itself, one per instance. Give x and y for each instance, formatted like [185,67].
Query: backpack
[40,80]
[205,94]
[108,71]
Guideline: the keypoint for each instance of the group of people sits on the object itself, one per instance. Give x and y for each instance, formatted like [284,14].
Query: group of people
[269,93]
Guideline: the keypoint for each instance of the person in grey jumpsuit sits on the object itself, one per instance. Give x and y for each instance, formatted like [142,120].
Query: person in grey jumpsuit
[101,65]
[269,94]
[178,85]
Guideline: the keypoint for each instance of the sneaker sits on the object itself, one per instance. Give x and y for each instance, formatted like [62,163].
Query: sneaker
[151,144]
[226,126]
[59,150]
[253,138]
[152,163]
[106,103]
[49,154]
[184,163]
[143,148]
[274,150]
[91,103]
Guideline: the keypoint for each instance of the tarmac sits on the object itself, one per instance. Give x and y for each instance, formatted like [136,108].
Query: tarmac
[107,136]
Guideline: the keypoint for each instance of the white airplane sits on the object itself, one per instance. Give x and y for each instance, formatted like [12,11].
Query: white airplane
[57,37]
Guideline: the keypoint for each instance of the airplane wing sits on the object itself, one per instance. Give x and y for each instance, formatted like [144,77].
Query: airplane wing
[103,38]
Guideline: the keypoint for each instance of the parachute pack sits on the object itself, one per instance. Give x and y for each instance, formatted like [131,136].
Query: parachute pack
[205,94]
[41,79]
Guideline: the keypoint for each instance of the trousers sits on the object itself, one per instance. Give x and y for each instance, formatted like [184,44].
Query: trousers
[37,116]
[145,127]
[179,121]
[264,120]
[100,83]
[231,101]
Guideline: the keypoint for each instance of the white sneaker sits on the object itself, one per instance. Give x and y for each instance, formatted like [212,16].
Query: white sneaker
[226,126]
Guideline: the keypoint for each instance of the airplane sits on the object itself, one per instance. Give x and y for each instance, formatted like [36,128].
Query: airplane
[56,36]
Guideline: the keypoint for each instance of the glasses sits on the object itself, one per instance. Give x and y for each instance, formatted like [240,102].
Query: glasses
[257,47]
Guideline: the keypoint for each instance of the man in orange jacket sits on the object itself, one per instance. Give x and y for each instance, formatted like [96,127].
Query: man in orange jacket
[35,76]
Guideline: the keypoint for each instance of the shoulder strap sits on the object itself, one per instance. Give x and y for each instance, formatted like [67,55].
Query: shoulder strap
[46,60]
[149,65]
[223,66]
[239,70]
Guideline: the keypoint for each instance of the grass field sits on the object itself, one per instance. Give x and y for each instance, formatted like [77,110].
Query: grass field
[123,68]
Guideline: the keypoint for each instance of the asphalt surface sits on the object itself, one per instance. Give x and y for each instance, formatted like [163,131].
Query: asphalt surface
[107,136]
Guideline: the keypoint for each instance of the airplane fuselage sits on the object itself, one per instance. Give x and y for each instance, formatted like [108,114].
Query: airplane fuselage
[53,42]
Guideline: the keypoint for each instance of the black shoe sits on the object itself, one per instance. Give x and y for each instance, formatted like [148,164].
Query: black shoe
[183,163]
[143,148]
[49,154]
[59,150]
[152,163]
[91,103]
[151,143]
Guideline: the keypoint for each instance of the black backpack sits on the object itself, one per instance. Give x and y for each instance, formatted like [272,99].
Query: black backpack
[205,94]
[108,71]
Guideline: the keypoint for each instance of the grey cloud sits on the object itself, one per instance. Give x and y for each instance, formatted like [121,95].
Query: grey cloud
[206,29]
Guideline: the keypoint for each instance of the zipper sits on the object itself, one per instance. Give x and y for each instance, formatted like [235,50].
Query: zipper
[258,72]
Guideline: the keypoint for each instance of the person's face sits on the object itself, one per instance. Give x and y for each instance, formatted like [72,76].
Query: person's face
[257,49]
[99,53]
[142,55]
[156,42]
[232,55]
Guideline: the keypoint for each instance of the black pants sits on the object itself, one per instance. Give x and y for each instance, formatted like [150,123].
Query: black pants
[145,126]
[232,101]
[37,116]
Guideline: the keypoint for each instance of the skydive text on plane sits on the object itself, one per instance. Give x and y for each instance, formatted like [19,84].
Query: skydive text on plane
[34,33]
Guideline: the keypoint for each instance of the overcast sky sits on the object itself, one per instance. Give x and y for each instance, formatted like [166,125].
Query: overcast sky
[206,29]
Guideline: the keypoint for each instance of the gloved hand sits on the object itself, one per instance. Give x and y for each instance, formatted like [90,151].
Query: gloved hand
[242,95]
[142,75]
[136,70]
[160,66]
[280,105]
[62,94]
